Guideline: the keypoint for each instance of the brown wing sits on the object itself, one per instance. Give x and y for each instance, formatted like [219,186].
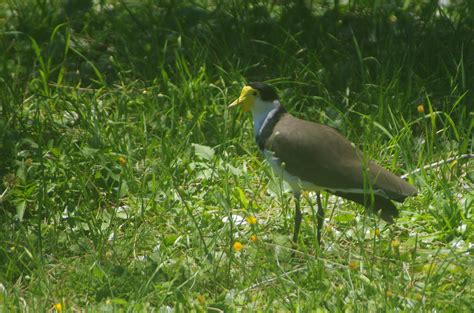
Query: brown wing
[319,154]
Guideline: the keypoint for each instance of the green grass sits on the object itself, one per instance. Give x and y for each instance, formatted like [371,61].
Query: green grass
[124,175]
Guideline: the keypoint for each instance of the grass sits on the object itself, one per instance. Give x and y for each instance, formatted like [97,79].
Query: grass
[127,182]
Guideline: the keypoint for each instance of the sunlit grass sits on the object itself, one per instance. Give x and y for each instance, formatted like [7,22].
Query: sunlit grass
[128,185]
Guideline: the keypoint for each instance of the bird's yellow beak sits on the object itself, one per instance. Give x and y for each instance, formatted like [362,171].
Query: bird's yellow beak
[246,99]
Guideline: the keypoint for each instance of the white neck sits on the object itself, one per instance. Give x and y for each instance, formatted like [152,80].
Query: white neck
[260,111]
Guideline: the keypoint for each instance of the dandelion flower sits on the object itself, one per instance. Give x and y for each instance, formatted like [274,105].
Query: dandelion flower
[251,220]
[122,161]
[395,244]
[238,246]
[353,265]
[420,108]
[253,238]
[28,162]
[201,299]
[58,307]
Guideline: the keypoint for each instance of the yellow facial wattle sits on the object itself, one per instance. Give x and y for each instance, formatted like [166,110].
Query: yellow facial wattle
[246,99]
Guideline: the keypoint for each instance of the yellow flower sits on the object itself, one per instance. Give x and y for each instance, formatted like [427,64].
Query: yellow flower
[251,220]
[420,108]
[201,299]
[418,297]
[238,246]
[58,307]
[377,232]
[253,238]
[395,244]
[28,162]
[353,265]
[389,293]
[122,161]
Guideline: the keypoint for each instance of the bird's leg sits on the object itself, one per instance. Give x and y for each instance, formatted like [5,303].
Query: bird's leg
[297,217]
[320,217]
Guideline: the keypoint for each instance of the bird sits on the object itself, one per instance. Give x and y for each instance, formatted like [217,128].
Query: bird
[314,157]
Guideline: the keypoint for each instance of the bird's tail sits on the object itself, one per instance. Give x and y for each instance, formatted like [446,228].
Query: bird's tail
[387,209]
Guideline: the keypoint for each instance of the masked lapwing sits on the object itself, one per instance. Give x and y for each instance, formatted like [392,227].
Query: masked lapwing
[315,157]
